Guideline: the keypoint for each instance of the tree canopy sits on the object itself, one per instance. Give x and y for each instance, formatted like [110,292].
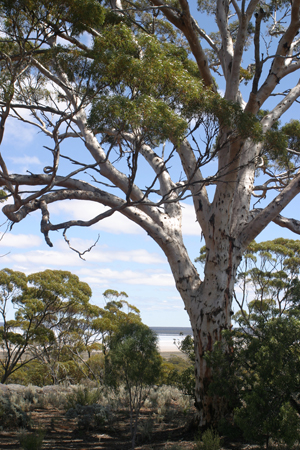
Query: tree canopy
[43,302]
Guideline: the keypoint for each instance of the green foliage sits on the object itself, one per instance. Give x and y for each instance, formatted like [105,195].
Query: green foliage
[277,141]
[34,372]
[186,378]
[3,195]
[186,381]
[134,360]
[179,372]
[81,14]
[161,90]
[133,356]
[259,376]
[89,416]
[271,269]
[210,440]
[113,316]
[31,441]
[270,380]
[257,365]
[44,302]
[96,366]
[11,414]
[54,325]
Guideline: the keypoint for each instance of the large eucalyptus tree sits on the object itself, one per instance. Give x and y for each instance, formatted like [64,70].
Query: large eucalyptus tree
[133,82]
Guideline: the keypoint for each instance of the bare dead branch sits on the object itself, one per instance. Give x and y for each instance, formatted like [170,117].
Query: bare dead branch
[80,254]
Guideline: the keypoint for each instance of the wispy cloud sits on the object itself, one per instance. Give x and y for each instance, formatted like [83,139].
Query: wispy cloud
[37,260]
[190,226]
[24,160]
[137,256]
[20,240]
[41,259]
[18,132]
[148,278]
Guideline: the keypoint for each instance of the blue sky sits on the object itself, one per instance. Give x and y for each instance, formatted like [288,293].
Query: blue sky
[125,258]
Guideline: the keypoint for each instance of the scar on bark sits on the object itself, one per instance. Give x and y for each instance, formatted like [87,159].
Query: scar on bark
[229,271]
[212,222]
[217,311]
[209,345]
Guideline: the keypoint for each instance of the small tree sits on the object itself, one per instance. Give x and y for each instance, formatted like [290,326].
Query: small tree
[92,330]
[112,316]
[259,371]
[43,302]
[133,359]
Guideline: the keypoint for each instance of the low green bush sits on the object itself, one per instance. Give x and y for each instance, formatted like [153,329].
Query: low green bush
[145,430]
[210,440]
[89,416]
[31,441]
[11,414]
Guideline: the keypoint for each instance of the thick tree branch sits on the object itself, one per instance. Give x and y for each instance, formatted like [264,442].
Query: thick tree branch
[195,183]
[268,214]
[279,63]
[205,36]
[258,63]
[284,222]
[227,51]
[95,195]
[281,108]
[168,189]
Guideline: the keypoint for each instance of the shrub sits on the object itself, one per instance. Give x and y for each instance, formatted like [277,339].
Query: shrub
[82,396]
[145,430]
[31,441]
[54,398]
[89,416]
[259,378]
[210,440]
[11,414]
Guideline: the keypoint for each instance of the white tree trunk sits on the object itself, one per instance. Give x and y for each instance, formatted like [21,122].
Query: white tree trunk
[208,304]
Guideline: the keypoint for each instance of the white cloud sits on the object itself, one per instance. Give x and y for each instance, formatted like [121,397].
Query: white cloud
[190,226]
[38,260]
[25,160]
[138,256]
[18,132]
[42,259]
[148,278]
[20,240]
[106,254]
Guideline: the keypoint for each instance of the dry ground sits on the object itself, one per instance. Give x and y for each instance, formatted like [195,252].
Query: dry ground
[63,433]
